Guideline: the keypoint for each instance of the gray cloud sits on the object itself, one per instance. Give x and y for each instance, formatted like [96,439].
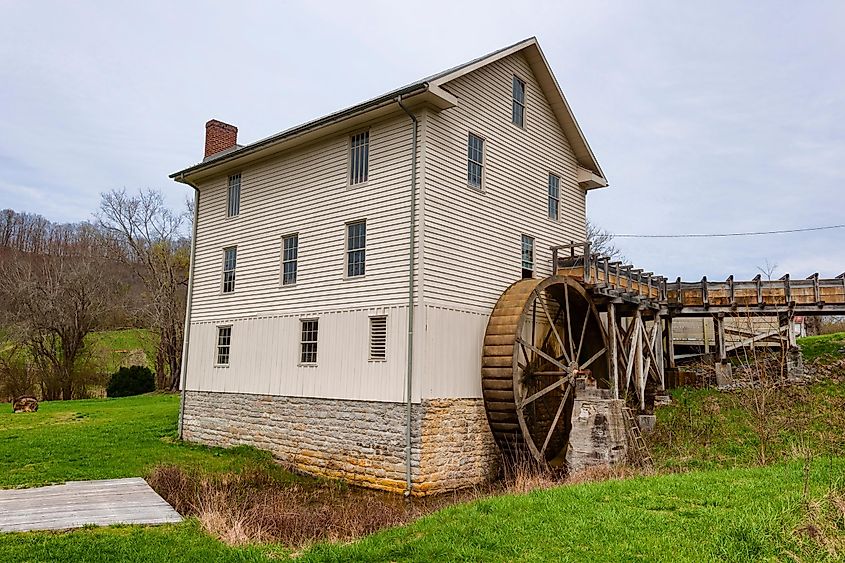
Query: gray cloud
[706,118]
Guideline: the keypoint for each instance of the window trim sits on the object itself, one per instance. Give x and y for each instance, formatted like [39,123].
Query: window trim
[223,271]
[349,140]
[370,356]
[282,261]
[515,101]
[229,194]
[346,249]
[316,341]
[479,188]
[533,268]
[217,363]
[549,196]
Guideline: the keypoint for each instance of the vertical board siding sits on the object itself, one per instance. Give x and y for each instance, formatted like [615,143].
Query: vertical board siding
[453,366]
[264,357]
[473,237]
[307,192]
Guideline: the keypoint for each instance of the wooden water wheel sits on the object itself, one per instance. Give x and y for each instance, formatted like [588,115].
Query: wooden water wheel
[541,336]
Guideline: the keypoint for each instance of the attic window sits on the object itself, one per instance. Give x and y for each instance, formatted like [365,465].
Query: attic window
[378,338]
[359,157]
[518,102]
[475,160]
[233,199]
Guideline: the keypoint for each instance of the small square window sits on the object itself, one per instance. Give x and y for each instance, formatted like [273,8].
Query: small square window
[308,342]
[233,196]
[527,256]
[359,158]
[554,197]
[230,256]
[518,102]
[475,160]
[378,338]
[356,249]
[224,343]
[290,255]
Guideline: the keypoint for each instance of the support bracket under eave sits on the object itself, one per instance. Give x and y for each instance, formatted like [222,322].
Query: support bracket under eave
[589,180]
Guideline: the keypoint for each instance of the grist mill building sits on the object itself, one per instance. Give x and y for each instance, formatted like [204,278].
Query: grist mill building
[345,270]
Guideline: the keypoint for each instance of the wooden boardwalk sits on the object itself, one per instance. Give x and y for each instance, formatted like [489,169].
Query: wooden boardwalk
[80,503]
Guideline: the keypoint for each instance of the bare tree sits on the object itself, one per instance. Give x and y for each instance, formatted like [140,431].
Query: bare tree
[601,242]
[53,303]
[150,236]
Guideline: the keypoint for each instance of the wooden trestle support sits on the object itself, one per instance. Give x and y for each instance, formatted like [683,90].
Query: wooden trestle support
[611,323]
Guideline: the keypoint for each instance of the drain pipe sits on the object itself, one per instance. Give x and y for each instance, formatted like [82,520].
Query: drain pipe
[411,247]
[187,330]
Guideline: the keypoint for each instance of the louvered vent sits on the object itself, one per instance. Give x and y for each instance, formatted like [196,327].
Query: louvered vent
[378,338]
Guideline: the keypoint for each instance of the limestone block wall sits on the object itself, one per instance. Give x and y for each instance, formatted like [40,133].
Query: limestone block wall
[457,448]
[362,442]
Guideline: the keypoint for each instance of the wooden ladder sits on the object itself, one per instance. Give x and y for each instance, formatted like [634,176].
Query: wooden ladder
[636,440]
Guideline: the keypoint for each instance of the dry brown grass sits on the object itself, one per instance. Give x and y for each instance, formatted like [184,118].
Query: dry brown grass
[255,507]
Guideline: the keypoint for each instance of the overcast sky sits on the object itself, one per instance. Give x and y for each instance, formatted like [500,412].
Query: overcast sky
[706,117]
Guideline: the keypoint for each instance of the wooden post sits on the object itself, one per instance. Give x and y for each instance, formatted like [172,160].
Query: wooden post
[638,358]
[706,338]
[670,344]
[614,360]
[719,335]
[658,351]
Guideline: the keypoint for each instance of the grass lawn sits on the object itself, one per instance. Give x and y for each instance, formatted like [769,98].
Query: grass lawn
[825,347]
[104,439]
[739,514]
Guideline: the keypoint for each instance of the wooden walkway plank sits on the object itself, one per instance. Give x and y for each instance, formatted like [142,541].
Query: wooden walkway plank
[81,503]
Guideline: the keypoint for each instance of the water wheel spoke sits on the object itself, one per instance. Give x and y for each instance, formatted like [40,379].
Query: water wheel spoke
[568,318]
[595,357]
[583,333]
[556,419]
[553,327]
[544,355]
[541,392]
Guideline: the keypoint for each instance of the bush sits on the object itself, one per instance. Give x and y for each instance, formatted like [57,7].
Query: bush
[134,380]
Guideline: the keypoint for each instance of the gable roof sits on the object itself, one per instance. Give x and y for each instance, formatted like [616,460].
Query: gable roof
[427,89]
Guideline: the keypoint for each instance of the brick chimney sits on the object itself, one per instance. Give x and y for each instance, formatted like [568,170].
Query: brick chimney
[219,136]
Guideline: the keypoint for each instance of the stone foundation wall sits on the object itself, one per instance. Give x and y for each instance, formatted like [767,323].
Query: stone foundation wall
[362,442]
[457,447]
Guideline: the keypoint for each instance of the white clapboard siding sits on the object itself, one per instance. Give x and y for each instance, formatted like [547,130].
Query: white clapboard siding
[264,357]
[472,239]
[306,192]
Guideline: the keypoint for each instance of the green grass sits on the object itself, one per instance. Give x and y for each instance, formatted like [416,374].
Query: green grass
[112,346]
[706,429]
[824,347]
[724,514]
[105,439]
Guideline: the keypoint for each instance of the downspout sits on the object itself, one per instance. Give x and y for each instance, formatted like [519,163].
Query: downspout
[409,370]
[183,376]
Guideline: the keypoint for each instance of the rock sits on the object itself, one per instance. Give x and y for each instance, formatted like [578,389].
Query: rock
[25,404]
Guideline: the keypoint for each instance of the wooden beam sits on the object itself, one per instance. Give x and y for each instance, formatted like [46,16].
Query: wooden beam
[612,357]
[670,344]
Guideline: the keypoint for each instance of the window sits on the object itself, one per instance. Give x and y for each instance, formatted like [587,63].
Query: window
[233,202]
[229,258]
[527,256]
[359,156]
[290,252]
[475,160]
[518,102]
[308,342]
[554,197]
[356,244]
[224,343]
[378,338]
